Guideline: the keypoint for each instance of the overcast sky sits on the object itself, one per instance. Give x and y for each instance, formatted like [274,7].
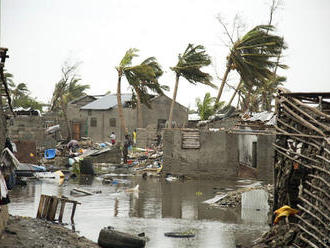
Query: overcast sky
[42,34]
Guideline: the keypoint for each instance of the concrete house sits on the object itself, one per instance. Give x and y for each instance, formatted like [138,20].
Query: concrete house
[102,115]
[78,122]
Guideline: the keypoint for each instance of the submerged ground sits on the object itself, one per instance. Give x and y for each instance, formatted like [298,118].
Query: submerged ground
[160,206]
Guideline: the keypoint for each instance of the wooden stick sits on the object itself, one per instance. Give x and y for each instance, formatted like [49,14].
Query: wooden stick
[321,169]
[314,207]
[295,245]
[314,216]
[320,178]
[299,139]
[324,159]
[41,206]
[311,226]
[303,121]
[83,191]
[60,217]
[327,128]
[53,209]
[299,162]
[315,110]
[308,242]
[328,151]
[316,198]
[46,207]
[298,154]
[318,188]
[312,235]
[73,212]
[282,132]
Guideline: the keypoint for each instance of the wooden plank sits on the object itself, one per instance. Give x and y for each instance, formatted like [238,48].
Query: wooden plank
[60,217]
[53,209]
[46,207]
[41,206]
[73,212]
[83,191]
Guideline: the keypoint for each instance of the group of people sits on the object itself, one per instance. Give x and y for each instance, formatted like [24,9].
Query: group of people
[128,142]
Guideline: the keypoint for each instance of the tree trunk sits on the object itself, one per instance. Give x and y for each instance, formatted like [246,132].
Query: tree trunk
[67,123]
[223,83]
[170,118]
[236,90]
[120,106]
[139,110]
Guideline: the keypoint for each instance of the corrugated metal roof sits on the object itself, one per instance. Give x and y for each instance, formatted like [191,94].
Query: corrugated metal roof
[107,102]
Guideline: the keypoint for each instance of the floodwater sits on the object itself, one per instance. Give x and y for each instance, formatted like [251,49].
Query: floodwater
[159,207]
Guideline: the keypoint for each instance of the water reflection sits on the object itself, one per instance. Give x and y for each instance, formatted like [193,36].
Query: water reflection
[158,207]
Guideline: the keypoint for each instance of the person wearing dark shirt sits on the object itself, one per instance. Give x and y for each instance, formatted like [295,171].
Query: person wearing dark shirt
[125,148]
[9,145]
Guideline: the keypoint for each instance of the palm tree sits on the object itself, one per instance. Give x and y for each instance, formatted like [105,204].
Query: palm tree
[251,56]
[18,91]
[67,89]
[268,90]
[205,108]
[142,88]
[134,75]
[189,66]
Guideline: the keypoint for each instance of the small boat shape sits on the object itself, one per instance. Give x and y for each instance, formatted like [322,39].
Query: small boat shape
[110,238]
[133,190]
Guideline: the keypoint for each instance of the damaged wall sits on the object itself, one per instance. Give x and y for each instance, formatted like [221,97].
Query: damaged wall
[216,156]
[32,128]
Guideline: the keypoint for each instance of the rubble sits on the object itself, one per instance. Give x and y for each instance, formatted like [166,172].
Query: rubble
[233,198]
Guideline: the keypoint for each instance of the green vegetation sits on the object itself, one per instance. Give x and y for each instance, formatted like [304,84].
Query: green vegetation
[254,57]
[189,66]
[206,107]
[67,89]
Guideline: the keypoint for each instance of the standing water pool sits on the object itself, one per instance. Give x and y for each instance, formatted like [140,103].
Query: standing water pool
[159,207]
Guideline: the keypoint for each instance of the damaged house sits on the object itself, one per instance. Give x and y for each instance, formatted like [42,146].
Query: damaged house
[101,116]
[228,147]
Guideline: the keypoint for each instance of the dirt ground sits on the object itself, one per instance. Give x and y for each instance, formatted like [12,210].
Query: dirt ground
[29,232]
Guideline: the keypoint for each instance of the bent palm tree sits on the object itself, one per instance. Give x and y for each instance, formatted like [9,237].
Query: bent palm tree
[143,72]
[141,88]
[67,89]
[189,66]
[251,56]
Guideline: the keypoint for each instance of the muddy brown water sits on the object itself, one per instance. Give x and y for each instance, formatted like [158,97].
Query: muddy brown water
[159,207]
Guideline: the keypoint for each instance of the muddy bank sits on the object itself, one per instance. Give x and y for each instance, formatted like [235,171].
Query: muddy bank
[30,232]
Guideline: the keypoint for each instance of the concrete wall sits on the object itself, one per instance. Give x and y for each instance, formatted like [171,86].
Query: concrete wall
[265,157]
[32,128]
[245,143]
[102,131]
[217,156]
[160,107]
[160,110]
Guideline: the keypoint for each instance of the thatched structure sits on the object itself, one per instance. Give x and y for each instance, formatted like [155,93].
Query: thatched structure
[302,169]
